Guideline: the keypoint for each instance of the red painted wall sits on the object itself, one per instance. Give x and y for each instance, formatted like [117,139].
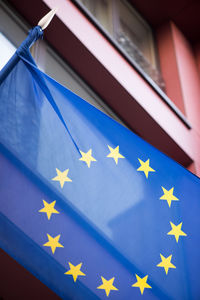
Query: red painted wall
[197,55]
[180,69]
[168,64]
[188,74]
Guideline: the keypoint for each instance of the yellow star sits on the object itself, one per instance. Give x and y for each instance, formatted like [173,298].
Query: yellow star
[176,231]
[142,283]
[107,285]
[49,209]
[87,157]
[62,177]
[114,153]
[166,263]
[75,271]
[53,243]
[144,166]
[168,195]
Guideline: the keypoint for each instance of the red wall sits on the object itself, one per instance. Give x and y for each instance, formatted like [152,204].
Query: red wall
[197,54]
[180,66]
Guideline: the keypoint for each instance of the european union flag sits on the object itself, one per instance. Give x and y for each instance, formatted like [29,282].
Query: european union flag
[87,206]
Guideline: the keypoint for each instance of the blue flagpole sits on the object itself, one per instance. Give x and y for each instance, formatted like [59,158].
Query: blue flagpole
[34,34]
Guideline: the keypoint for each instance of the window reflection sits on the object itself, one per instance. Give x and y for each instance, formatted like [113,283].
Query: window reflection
[130,31]
[102,11]
[7,50]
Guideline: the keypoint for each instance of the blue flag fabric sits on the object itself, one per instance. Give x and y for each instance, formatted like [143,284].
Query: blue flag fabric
[87,206]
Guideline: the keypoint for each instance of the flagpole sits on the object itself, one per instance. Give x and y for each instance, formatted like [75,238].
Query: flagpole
[34,34]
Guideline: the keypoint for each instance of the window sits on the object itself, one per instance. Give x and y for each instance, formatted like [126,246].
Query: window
[102,10]
[7,50]
[129,30]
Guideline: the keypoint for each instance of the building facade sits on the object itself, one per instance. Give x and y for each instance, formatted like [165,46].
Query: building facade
[137,61]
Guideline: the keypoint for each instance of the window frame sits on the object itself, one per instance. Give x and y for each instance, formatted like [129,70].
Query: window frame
[124,54]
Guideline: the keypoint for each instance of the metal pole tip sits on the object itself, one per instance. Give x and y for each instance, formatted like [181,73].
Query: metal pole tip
[44,22]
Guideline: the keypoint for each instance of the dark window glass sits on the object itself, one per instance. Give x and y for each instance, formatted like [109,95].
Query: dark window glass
[130,31]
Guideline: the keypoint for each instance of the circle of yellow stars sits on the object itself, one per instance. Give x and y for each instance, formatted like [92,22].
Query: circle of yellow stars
[75,270]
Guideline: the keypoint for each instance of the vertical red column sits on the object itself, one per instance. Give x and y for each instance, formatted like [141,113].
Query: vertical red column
[169,66]
[197,54]
[179,67]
